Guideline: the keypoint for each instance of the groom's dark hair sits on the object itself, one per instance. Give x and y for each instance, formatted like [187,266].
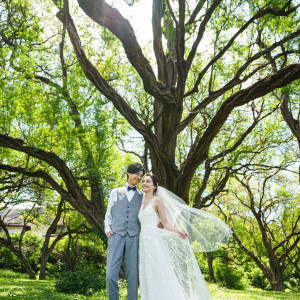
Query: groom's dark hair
[135,168]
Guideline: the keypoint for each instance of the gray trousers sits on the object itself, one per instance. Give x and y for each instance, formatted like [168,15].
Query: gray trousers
[119,247]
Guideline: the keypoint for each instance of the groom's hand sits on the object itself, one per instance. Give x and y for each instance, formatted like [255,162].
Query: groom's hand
[109,233]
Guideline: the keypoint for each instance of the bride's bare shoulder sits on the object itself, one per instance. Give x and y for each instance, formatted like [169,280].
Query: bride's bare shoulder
[158,200]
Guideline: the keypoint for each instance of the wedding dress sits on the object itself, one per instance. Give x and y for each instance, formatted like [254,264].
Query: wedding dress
[168,269]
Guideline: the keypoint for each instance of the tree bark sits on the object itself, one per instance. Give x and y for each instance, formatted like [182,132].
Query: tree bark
[43,268]
[210,266]
[168,101]
[276,279]
[20,256]
[274,271]
[46,251]
[293,123]
[72,191]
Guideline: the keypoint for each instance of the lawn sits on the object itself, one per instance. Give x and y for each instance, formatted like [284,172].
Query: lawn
[18,286]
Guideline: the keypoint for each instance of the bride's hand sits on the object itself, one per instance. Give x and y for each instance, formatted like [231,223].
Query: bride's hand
[160,225]
[184,235]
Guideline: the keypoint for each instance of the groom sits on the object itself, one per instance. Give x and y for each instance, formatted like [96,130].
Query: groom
[122,229]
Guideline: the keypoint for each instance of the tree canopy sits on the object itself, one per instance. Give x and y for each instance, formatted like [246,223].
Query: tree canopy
[210,56]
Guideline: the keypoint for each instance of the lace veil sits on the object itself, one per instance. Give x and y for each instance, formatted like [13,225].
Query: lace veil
[206,232]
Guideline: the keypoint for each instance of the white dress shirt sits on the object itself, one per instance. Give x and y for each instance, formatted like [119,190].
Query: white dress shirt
[111,202]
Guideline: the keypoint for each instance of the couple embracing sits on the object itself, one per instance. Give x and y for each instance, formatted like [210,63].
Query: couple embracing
[153,231]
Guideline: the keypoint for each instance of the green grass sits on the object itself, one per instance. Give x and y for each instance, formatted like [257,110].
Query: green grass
[18,286]
[219,293]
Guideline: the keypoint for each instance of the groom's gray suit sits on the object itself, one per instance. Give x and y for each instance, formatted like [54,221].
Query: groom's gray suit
[124,242]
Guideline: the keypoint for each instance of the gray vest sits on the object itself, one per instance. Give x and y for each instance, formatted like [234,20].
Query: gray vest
[125,213]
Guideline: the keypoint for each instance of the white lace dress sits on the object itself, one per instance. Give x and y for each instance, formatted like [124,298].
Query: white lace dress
[168,269]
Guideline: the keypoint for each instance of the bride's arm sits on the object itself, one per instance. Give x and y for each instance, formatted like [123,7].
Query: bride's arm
[162,215]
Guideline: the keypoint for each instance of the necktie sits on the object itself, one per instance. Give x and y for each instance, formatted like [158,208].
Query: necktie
[131,188]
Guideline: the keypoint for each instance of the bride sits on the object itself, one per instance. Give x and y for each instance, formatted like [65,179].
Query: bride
[168,269]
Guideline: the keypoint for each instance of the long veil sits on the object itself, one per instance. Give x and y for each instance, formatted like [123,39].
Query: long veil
[206,232]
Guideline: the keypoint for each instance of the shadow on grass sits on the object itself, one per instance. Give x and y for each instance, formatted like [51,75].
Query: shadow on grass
[17,286]
[11,274]
[28,289]
[260,294]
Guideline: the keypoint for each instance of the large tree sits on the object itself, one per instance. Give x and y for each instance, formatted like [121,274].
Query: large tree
[266,219]
[194,99]
[188,78]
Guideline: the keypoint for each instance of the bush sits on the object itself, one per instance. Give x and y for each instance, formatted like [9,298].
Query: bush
[228,276]
[31,246]
[292,279]
[87,252]
[258,279]
[81,281]
[202,262]
[54,269]
[9,261]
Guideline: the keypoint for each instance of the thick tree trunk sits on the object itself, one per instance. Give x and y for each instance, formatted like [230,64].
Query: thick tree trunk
[8,244]
[69,255]
[278,285]
[210,266]
[25,262]
[292,122]
[44,260]
[46,250]
[277,279]
[166,173]
[28,267]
